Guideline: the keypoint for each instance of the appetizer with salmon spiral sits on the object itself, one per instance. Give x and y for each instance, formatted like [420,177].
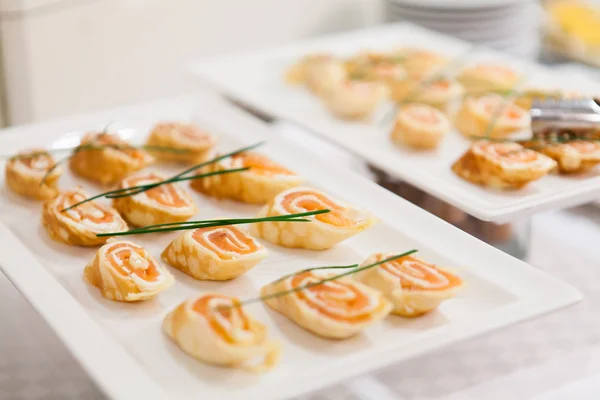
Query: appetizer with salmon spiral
[483,78]
[258,185]
[413,286]
[301,72]
[322,232]
[322,74]
[125,271]
[490,116]
[162,204]
[421,64]
[106,158]
[336,309]
[439,93]
[355,100]
[420,126]
[502,165]
[215,253]
[25,171]
[572,157]
[192,144]
[79,226]
[216,329]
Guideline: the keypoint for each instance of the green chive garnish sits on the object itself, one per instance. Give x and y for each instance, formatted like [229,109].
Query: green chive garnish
[310,285]
[210,223]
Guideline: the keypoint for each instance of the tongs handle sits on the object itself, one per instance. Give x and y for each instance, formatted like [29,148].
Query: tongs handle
[551,115]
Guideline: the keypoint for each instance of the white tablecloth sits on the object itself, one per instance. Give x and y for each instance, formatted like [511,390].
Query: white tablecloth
[553,357]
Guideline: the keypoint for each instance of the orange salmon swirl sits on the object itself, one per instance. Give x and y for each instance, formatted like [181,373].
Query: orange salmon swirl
[79,225]
[25,172]
[323,231]
[414,286]
[216,253]
[216,329]
[336,309]
[264,179]
[502,165]
[196,143]
[106,158]
[490,116]
[573,157]
[159,205]
[124,271]
[420,126]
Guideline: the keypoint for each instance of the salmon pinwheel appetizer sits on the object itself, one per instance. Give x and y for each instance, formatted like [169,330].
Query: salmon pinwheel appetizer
[258,185]
[572,157]
[322,232]
[502,165]
[324,74]
[216,329]
[125,271]
[162,204]
[483,78]
[439,93]
[106,158]
[336,309]
[421,64]
[490,116]
[25,171]
[413,286]
[420,126]
[192,144]
[79,225]
[215,253]
[300,72]
[355,100]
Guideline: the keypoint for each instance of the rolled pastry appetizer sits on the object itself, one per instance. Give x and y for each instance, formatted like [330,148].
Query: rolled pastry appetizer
[196,144]
[504,165]
[215,329]
[483,78]
[355,100]
[322,232]
[216,253]
[335,309]
[159,205]
[325,75]
[258,185]
[107,164]
[421,64]
[25,171]
[439,94]
[298,73]
[420,126]
[490,116]
[572,157]
[413,286]
[125,271]
[79,226]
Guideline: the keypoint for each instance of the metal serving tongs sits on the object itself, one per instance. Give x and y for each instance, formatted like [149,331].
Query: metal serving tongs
[551,116]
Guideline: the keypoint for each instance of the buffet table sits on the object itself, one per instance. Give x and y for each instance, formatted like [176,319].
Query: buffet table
[553,357]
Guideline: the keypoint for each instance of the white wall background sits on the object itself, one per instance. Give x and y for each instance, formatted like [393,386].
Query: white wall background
[102,53]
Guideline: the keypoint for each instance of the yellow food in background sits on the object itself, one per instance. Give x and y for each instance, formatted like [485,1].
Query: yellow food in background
[577,19]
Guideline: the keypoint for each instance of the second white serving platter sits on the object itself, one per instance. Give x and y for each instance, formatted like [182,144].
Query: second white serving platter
[256,79]
[122,346]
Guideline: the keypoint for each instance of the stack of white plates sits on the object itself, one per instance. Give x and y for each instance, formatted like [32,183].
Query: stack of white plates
[507,25]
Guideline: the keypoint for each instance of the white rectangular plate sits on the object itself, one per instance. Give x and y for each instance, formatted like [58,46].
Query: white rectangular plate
[122,346]
[256,79]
